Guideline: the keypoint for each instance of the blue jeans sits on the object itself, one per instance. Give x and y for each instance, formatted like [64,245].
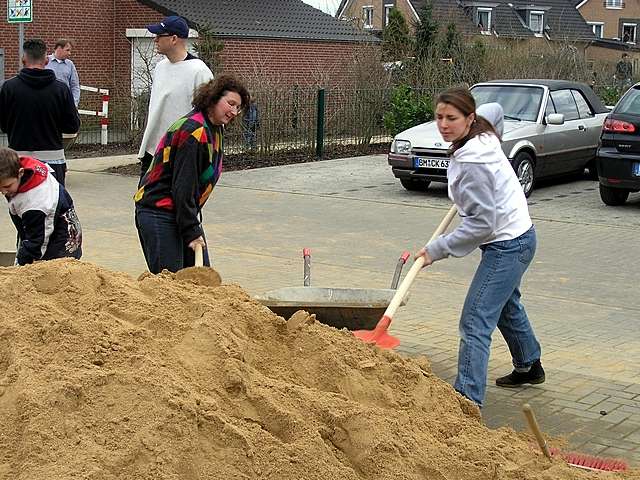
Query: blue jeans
[162,244]
[493,300]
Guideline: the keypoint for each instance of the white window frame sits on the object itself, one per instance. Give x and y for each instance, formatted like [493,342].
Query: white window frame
[635,32]
[541,14]
[367,16]
[387,9]
[486,28]
[594,25]
[614,4]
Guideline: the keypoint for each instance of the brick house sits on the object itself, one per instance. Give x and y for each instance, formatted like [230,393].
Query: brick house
[291,39]
[517,19]
[616,26]
[612,19]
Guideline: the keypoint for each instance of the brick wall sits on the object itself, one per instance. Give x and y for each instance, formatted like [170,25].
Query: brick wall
[92,28]
[289,62]
[88,26]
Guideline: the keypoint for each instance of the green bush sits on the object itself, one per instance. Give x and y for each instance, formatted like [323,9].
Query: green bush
[408,108]
[609,94]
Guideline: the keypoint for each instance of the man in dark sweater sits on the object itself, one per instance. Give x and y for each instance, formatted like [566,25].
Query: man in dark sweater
[36,109]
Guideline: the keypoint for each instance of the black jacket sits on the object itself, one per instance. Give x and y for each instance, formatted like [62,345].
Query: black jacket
[36,109]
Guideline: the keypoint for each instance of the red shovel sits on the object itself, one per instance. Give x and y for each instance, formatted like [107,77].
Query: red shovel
[379,334]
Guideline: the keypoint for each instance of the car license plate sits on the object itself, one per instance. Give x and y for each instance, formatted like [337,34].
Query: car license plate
[636,169]
[419,162]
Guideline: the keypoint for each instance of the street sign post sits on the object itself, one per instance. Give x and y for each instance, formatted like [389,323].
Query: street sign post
[20,12]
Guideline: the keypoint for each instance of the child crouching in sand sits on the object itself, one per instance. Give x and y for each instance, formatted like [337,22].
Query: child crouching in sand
[40,208]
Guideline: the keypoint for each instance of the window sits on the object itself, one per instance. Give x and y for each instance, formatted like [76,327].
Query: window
[484,19]
[565,104]
[584,109]
[550,108]
[630,102]
[629,32]
[598,29]
[367,16]
[536,22]
[387,10]
[519,102]
[613,4]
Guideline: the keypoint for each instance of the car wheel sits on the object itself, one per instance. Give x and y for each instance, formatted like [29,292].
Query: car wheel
[414,184]
[523,165]
[592,170]
[613,196]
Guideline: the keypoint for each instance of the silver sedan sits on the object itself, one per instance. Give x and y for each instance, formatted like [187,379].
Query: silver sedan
[551,128]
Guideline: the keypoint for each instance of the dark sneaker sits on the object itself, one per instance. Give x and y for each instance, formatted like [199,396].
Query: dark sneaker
[534,376]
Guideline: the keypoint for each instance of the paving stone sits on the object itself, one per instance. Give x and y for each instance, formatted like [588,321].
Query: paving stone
[615,417]
[593,398]
[581,413]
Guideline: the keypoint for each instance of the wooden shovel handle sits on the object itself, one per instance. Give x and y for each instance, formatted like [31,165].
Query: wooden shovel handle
[533,425]
[417,265]
[198,252]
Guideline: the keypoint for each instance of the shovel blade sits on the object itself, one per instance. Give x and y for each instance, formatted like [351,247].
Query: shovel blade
[379,335]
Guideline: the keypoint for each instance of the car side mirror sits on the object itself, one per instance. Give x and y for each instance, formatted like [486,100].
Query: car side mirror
[555,119]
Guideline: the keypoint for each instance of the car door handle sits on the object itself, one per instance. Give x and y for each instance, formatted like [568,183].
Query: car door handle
[582,127]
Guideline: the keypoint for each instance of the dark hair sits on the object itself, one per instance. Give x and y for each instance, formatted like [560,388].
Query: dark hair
[61,43]
[210,93]
[9,163]
[35,50]
[461,99]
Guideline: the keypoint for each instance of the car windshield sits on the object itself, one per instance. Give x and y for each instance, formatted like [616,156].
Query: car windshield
[630,103]
[519,102]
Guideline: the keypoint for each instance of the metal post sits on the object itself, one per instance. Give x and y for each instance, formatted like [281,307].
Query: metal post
[20,43]
[320,125]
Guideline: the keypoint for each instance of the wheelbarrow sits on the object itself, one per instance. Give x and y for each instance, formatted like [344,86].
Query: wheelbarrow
[350,308]
[7,258]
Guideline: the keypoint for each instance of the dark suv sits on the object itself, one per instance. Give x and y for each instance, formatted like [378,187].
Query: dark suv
[618,157]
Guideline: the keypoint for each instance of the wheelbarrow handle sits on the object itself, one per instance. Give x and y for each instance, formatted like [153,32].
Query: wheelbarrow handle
[306,254]
[417,265]
[396,275]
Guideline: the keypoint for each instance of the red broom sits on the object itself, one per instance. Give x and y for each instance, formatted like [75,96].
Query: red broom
[579,460]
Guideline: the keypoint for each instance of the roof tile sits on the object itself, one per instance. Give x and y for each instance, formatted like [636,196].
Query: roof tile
[292,19]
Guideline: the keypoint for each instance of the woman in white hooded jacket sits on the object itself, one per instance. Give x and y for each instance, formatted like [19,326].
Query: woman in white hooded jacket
[494,217]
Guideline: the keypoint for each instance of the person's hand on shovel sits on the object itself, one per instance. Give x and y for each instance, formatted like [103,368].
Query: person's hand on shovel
[197,241]
[199,274]
[423,253]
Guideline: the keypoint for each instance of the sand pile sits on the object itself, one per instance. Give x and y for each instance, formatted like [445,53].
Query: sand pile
[106,377]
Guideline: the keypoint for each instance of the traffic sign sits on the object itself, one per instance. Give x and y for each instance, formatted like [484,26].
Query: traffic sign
[19,11]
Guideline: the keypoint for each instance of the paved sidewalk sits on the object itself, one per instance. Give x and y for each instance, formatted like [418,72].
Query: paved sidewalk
[580,291]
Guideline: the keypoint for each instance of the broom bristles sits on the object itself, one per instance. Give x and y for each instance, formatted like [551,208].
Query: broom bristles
[591,462]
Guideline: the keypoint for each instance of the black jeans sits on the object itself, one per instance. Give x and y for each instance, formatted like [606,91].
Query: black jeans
[162,244]
[59,171]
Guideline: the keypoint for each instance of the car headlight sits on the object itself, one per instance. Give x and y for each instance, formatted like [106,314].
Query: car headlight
[401,146]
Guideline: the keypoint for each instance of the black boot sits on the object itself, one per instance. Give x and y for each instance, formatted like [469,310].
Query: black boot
[515,379]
